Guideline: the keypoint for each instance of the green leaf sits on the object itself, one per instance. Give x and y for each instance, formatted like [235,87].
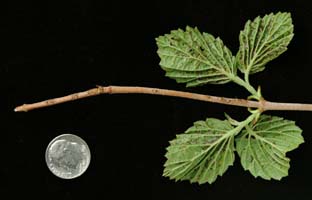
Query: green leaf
[262,40]
[262,147]
[202,153]
[194,58]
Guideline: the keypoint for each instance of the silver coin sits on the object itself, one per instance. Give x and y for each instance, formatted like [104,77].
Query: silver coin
[68,156]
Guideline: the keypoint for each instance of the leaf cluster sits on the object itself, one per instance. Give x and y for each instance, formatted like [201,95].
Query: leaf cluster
[207,149]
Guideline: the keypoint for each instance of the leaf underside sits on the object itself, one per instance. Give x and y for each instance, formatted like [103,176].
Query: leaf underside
[263,146]
[262,40]
[195,58]
[201,153]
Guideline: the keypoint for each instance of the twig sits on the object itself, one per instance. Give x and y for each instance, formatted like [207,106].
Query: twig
[262,104]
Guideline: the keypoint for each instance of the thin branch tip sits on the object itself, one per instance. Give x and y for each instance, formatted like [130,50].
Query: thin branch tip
[20,108]
[263,105]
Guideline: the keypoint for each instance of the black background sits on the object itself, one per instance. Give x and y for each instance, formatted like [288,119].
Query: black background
[52,48]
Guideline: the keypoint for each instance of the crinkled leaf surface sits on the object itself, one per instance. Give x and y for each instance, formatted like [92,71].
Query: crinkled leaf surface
[195,58]
[202,153]
[262,40]
[262,146]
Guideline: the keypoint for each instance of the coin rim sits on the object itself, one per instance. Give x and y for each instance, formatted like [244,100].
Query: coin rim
[47,153]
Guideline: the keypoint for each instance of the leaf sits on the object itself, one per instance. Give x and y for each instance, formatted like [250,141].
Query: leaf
[263,146]
[194,58]
[263,40]
[202,153]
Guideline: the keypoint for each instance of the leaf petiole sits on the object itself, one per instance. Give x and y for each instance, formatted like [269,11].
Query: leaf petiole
[247,86]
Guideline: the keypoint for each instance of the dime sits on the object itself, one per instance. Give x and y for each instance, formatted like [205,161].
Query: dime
[68,156]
